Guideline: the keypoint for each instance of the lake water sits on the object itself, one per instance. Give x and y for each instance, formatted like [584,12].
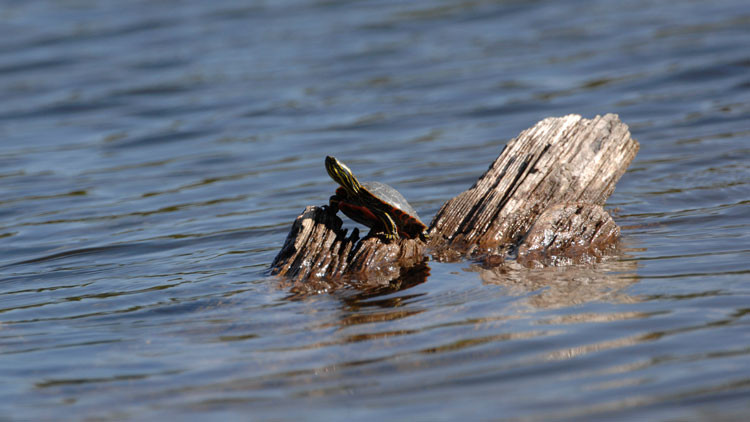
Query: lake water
[154,154]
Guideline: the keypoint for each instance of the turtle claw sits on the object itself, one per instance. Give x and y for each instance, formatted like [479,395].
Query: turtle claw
[385,237]
[333,204]
[329,209]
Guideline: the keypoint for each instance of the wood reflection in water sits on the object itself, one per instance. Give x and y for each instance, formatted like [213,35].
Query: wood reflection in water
[558,287]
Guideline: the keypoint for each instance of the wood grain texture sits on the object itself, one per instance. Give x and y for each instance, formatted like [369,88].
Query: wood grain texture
[559,160]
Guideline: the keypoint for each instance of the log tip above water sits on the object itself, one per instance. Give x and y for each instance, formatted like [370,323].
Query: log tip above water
[558,160]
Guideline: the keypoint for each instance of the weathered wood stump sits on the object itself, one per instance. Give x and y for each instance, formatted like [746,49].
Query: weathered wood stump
[542,198]
[317,248]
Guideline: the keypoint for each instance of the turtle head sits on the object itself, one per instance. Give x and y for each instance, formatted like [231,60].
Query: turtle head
[341,174]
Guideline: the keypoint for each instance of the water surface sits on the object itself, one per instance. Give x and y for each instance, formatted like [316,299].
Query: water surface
[154,154]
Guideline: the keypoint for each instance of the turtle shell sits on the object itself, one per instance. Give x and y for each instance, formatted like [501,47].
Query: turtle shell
[398,207]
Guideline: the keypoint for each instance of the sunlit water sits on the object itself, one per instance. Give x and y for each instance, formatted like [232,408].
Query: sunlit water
[154,154]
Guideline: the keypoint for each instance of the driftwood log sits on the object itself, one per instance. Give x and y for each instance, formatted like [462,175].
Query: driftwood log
[540,202]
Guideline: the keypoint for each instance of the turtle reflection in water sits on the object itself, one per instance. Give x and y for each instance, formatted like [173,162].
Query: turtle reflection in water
[376,205]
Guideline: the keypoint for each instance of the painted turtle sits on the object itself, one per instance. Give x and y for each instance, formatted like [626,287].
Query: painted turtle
[376,205]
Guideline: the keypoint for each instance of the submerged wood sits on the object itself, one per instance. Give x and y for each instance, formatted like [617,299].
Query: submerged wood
[542,198]
[572,233]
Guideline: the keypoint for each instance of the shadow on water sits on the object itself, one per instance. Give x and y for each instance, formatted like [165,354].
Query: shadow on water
[559,287]
[354,290]
[546,288]
[393,341]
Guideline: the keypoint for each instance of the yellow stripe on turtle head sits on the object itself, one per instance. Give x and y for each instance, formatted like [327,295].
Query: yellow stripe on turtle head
[341,174]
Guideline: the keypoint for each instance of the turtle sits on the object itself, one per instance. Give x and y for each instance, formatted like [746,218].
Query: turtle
[376,205]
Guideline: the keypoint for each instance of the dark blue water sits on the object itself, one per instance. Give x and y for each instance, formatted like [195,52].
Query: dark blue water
[154,154]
